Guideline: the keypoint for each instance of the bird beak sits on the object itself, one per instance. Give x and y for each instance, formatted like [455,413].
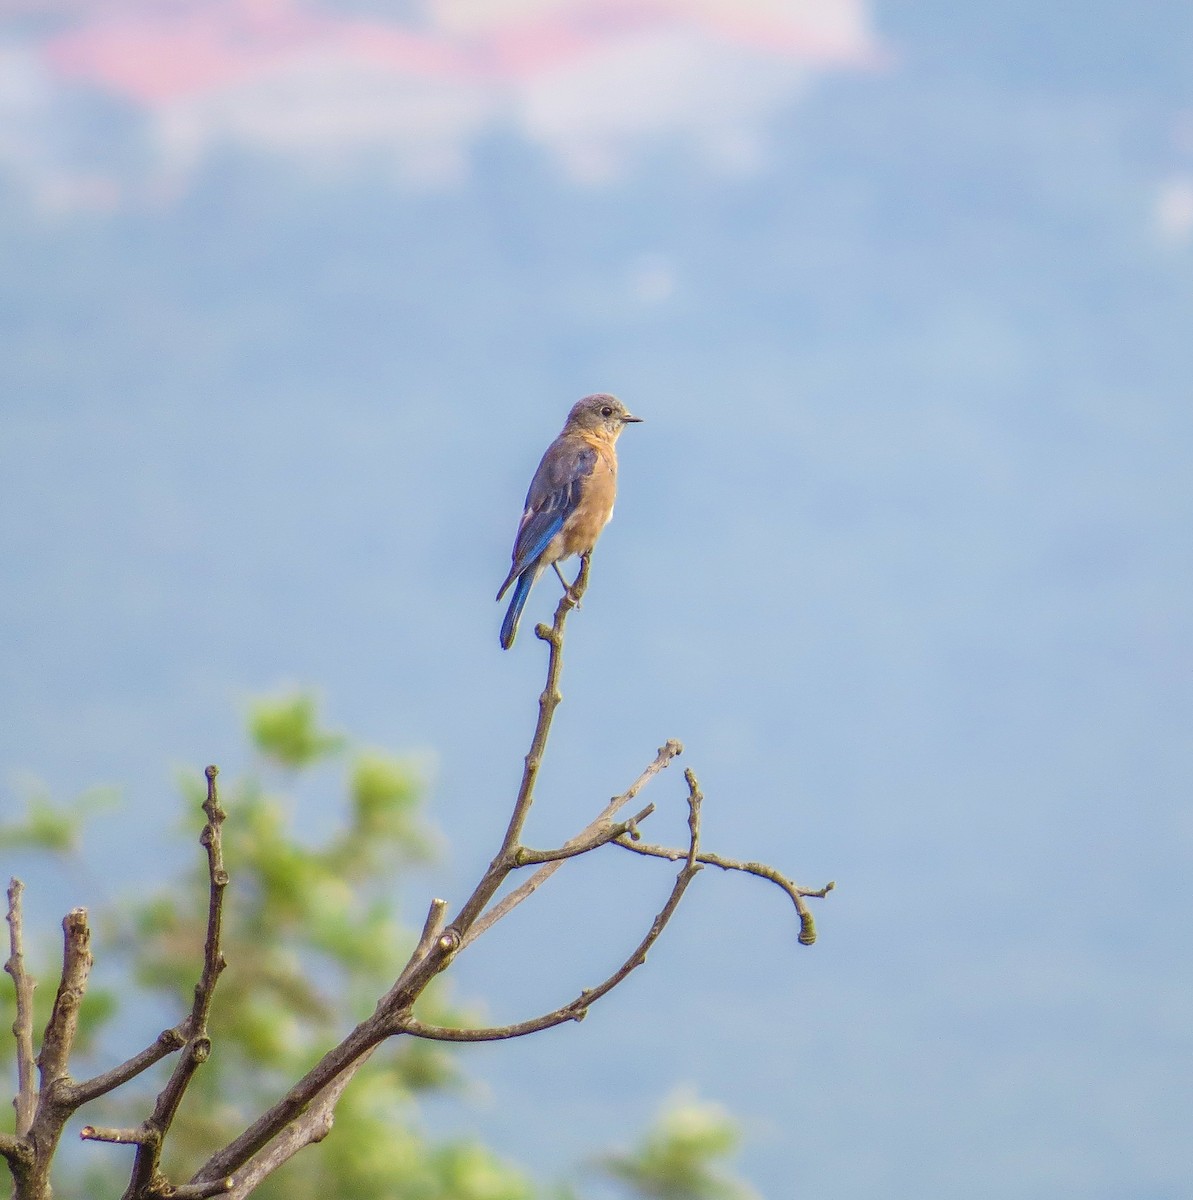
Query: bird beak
[626,419]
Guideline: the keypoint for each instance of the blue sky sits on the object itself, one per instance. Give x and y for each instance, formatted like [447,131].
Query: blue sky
[901,552]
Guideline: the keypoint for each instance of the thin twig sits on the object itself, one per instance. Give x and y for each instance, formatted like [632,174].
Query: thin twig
[118,1137]
[797,894]
[25,1101]
[508,903]
[166,1042]
[549,701]
[574,1010]
[524,856]
[198,1046]
[577,1009]
[431,927]
[695,800]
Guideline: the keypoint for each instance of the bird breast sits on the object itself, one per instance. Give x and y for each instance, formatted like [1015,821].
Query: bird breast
[584,525]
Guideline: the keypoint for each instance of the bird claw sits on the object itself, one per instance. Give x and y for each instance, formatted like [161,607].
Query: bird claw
[569,589]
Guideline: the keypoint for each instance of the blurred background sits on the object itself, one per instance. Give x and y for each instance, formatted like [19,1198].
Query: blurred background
[294,294]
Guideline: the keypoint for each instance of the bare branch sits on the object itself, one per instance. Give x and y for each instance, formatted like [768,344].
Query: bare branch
[25,1101]
[433,954]
[525,857]
[435,949]
[60,1032]
[695,799]
[198,1045]
[577,1009]
[508,903]
[166,1042]
[313,1126]
[431,927]
[31,1169]
[296,1101]
[549,701]
[797,894]
[118,1137]
[304,1114]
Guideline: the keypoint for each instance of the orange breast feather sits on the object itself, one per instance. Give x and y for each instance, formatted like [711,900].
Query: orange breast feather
[584,526]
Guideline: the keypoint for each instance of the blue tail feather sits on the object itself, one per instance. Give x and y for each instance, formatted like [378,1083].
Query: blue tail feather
[509,627]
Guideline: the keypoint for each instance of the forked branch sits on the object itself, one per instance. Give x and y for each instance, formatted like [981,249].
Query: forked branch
[304,1114]
[798,895]
[577,1009]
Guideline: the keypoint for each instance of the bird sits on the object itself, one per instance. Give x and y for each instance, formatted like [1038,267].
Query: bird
[570,499]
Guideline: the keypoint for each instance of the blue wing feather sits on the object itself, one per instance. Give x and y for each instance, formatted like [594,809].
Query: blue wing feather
[554,495]
[513,614]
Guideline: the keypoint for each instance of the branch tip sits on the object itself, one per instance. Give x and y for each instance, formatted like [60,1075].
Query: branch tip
[197,1046]
[117,1137]
[798,895]
[25,1101]
[431,927]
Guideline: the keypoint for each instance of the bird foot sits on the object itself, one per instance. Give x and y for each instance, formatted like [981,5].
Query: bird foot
[569,589]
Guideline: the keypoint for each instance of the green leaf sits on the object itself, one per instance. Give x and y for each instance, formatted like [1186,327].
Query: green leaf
[287,730]
[680,1156]
[54,827]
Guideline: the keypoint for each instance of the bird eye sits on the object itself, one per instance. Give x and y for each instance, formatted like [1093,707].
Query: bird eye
[606,411]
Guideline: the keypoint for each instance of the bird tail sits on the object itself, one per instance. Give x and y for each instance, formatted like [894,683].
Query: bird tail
[509,627]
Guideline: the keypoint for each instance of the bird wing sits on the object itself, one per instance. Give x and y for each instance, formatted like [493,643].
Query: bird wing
[553,496]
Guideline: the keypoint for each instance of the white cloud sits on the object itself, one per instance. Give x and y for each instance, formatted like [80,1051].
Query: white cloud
[666,84]
[596,83]
[332,112]
[26,102]
[35,125]
[1174,209]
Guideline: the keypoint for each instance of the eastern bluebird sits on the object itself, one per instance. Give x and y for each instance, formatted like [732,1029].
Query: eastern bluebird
[570,499]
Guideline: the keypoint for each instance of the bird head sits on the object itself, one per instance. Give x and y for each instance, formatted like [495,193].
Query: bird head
[601,414]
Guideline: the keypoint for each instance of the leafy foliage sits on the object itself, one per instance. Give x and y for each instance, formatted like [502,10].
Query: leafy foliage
[678,1159]
[287,731]
[53,827]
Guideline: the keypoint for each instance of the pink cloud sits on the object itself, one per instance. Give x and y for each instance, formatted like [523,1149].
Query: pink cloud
[595,83]
[151,54]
